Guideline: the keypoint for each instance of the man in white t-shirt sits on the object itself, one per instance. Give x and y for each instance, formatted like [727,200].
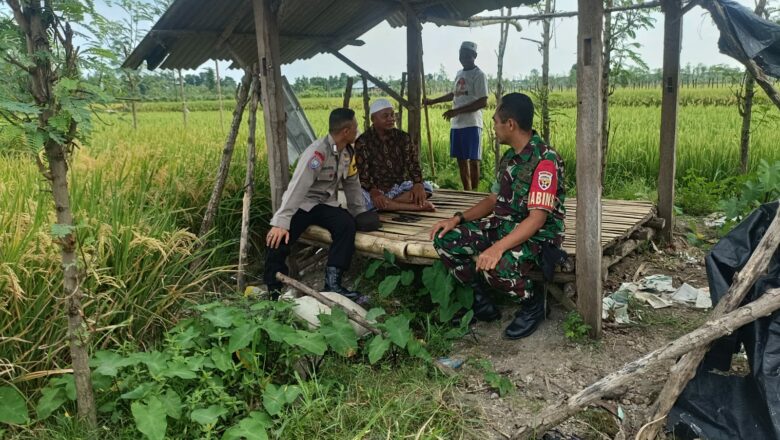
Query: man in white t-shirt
[469,97]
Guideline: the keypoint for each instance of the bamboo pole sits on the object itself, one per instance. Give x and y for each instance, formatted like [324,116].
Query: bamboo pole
[401,107]
[354,316]
[219,97]
[427,122]
[554,414]
[366,106]
[347,92]
[249,184]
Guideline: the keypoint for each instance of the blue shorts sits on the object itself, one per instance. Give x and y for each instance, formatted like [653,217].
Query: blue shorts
[396,191]
[466,143]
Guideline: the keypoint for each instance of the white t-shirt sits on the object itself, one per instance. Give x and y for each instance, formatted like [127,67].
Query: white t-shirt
[470,85]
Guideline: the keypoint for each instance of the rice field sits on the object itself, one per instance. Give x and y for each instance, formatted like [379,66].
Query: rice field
[138,198]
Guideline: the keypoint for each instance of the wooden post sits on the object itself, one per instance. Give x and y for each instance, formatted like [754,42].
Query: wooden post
[219,96]
[545,98]
[503,34]
[184,110]
[588,146]
[267,34]
[227,155]
[249,185]
[427,120]
[400,121]
[347,92]
[366,106]
[673,18]
[413,49]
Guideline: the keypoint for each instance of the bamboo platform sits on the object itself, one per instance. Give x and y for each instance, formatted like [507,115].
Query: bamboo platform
[405,234]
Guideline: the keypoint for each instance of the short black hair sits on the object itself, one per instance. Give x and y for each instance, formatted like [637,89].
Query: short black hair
[517,106]
[339,118]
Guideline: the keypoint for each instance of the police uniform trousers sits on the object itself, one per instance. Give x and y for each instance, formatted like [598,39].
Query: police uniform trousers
[460,247]
[336,220]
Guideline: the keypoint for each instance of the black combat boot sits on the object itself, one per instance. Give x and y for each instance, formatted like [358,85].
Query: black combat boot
[274,291]
[484,309]
[530,315]
[333,284]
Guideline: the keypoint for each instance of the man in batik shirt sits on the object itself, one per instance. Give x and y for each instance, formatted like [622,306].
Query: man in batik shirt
[388,163]
[500,240]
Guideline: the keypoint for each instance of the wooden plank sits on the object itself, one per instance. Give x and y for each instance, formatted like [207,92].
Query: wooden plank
[274,116]
[673,19]
[588,142]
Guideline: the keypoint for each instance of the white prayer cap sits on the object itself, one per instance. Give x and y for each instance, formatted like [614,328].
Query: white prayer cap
[379,104]
[470,45]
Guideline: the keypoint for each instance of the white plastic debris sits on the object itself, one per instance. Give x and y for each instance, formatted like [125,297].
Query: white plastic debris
[715,220]
[655,301]
[657,283]
[613,310]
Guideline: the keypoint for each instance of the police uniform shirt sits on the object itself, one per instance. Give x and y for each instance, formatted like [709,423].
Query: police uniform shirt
[316,180]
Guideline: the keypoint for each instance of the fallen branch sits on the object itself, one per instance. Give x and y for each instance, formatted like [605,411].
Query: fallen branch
[555,414]
[327,301]
[685,369]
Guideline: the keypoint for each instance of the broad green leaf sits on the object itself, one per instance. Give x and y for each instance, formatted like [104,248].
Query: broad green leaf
[150,418]
[388,285]
[389,256]
[250,428]
[448,310]
[276,397]
[61,231]
[397,329]
[155,361]
[242,336]
[276,331]
[139,392]
[375,313]
[313,343]
[172,404]
[68,384]
[221,316]
[372,268]
[208,416]
[407,277]
[377,348]
[51,399]
[464,296]
[461,330]
[338,332]
[108,363]
[179,369]
[222,359]
[14,408]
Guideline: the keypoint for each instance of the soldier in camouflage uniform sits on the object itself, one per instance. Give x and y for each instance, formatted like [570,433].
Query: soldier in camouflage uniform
[503,236]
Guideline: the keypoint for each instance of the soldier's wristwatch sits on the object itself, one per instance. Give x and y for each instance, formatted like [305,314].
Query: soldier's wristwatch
[460,216]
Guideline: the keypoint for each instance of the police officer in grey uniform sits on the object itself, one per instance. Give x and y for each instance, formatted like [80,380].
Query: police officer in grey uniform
[311,199]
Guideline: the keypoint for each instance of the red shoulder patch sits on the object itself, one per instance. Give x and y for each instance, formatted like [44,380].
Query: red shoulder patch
[544,186]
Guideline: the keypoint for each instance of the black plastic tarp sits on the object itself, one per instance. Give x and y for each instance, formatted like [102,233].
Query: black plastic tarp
[720,406]
[759,38]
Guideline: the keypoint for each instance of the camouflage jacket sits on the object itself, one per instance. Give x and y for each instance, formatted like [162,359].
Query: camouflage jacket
[532,179]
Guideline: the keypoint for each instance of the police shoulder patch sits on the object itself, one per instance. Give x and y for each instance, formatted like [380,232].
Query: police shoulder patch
[316,160]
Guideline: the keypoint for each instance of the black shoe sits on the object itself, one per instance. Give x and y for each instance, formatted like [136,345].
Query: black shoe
[528,318]
[274,292]
[484,309]
[333,284]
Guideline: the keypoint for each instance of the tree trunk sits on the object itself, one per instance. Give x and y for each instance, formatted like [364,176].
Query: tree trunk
[347,92]
[685,369]
[608,41]
[249,184]
[746,110]
[549,7]
[42,85]
[553,415]
[400,106]
[227,155]
[367,115]
[504,29]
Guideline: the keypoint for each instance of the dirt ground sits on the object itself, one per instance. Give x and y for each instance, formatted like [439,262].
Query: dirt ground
[546,368]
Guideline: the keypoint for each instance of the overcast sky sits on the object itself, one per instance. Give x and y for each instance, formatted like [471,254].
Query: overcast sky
[384,53]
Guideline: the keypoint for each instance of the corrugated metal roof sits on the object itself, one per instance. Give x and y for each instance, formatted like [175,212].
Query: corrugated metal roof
[187,35]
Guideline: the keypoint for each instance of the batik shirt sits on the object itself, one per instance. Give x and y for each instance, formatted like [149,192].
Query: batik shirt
[384,163]
[531,179]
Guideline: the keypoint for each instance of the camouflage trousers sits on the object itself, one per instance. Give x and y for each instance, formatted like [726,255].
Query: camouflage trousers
[459,249]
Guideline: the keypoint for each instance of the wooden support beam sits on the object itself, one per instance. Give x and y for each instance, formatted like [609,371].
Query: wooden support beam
[414,75]
[366,105]
[228,34]
[378,82]
[588,146]
[347,92]
[273,100]
[400,120]
[668,140]
[249,185]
